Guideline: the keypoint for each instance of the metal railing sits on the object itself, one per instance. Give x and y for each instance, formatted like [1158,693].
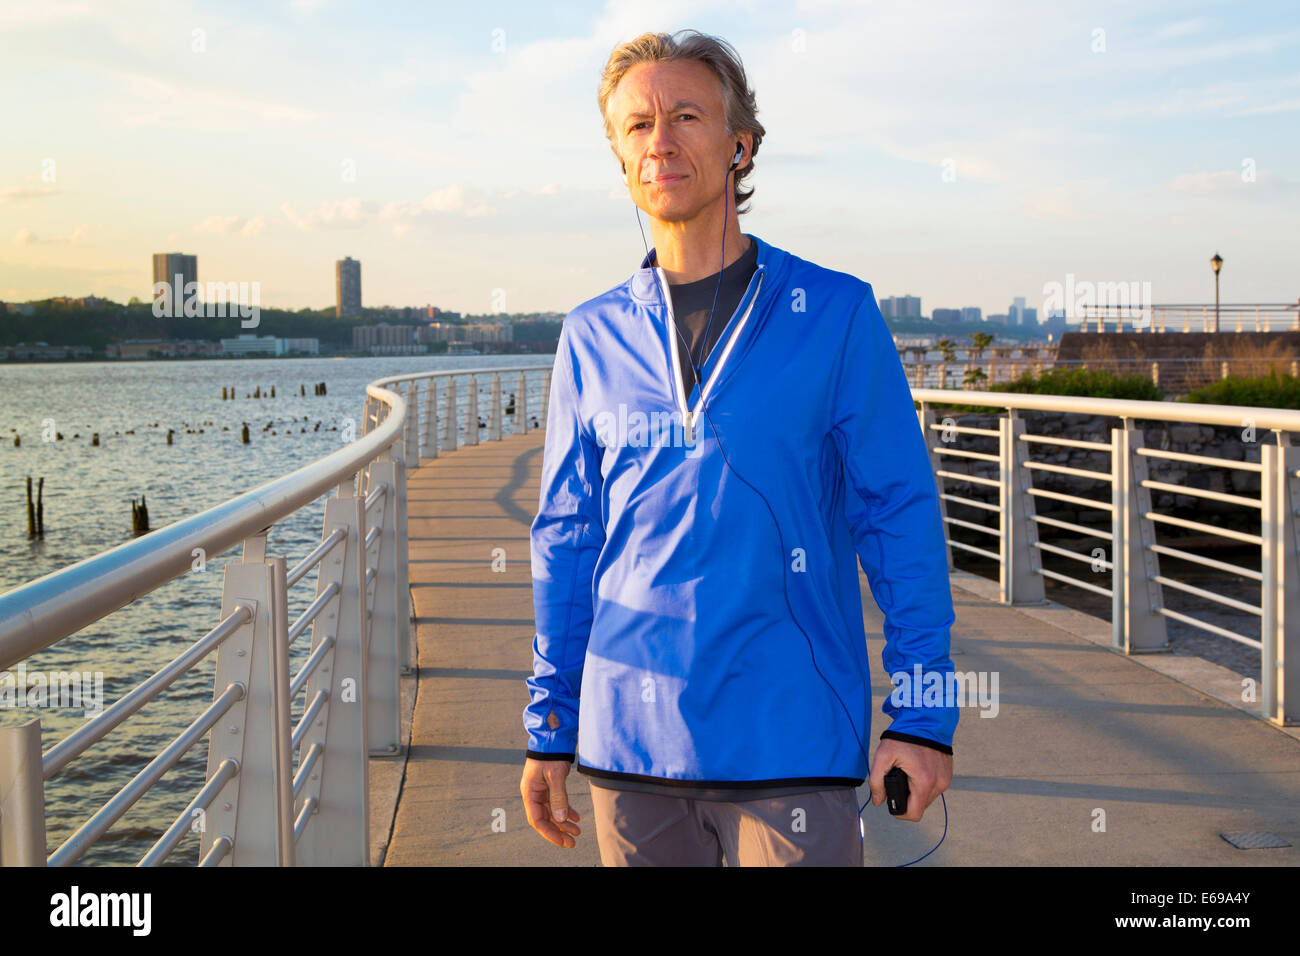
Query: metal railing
[1177,375]
[1138,608]
[275,793]
[1168,317]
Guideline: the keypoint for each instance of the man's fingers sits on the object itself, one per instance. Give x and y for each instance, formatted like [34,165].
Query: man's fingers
[539,818]
[560,808]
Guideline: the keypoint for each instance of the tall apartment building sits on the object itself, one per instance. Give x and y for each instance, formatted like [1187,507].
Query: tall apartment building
[909,307]
[347,287]
[1016,311]
[971,313]
[900,307]
[177,270]
[946,315]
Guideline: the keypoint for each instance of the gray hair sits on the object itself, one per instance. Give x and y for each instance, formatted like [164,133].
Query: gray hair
[740,110]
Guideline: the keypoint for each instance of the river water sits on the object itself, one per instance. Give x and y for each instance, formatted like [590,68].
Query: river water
[87,509]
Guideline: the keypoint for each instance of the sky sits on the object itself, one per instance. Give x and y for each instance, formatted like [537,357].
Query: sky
[966,152]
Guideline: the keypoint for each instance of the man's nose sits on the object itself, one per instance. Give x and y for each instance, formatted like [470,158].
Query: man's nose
[661,141]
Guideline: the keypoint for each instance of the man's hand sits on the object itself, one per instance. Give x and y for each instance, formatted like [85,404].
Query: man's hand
[546,803]
[929,773]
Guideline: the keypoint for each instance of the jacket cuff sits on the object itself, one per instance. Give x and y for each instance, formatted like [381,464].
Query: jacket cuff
[537,755]
[912,739]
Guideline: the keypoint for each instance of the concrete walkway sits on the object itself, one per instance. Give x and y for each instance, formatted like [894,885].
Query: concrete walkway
[1159,749]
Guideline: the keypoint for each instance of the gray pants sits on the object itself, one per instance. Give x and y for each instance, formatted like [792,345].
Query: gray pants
[819,828]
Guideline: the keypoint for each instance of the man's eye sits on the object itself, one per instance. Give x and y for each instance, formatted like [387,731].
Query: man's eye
[637,126]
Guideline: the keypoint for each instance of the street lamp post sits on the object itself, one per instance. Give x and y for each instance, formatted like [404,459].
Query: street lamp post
[1217,263]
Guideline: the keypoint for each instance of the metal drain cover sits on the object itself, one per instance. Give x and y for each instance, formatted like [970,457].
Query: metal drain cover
[1254,841]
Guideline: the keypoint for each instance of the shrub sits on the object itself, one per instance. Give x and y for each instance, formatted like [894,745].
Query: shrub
[1264,391]
[1086,382]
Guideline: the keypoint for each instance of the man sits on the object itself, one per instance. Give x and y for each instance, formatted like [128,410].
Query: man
[730,431]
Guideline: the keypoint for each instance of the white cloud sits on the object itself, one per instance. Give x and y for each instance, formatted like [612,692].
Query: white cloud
[1228,183]
[230,225]
[219,225]
[26,237]
[20,193]
[449,199]
[331,214]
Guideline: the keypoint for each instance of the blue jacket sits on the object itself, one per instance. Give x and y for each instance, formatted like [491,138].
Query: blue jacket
[660,577]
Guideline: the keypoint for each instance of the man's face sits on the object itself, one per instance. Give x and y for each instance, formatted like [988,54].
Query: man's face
[672,135]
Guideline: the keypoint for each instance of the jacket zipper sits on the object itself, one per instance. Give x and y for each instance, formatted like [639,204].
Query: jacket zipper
[690,418]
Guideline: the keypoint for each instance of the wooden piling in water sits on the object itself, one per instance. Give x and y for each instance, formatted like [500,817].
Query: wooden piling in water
[31,510]
[139,517]
[245,438]
[40,507]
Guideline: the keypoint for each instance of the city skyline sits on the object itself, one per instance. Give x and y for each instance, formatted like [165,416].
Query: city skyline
[988,154]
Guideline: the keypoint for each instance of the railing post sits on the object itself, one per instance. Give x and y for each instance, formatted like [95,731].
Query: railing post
[244,812]
[926,417]
[495,426]
[521,406]
[280,729]
[1020,578]
[449,436]
[411,424]
[546,397]
[339,833]
[1118,539]
[382,667]
[431,418]
[471,412]
[1280,597]
[22,796]
[402,567]
[1143,624]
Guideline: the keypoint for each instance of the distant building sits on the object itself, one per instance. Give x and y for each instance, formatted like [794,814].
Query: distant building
[250,344]
[177,270]
[385,339]
[41,351]
[298,346]
[971,314]
[161,348]
[901,307]
[347,287]
[1055,322]
[1016,311]
[946,315]
[476,332]
[1031,317]
[909,307]
[999,319]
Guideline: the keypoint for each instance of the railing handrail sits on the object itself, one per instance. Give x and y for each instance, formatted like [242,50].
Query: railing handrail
[1190,412]
[38,614]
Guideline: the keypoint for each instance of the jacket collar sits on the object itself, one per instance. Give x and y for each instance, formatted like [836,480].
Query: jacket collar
[643,282]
